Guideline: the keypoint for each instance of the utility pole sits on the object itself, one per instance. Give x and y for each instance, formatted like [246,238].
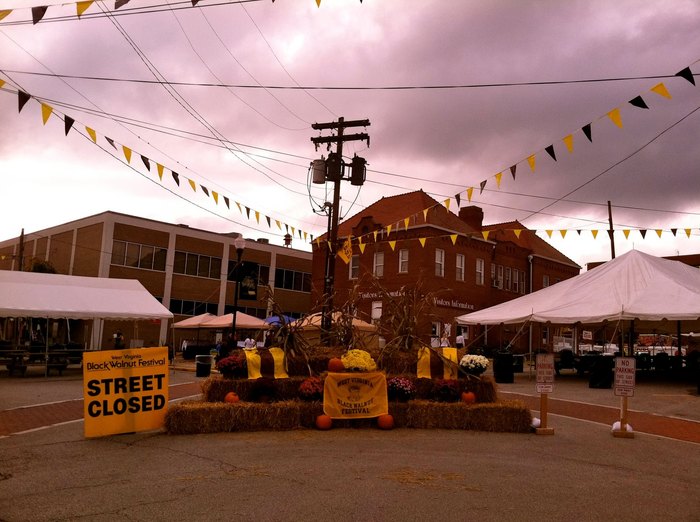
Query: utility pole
[611,232]
[334,167]
[21,251]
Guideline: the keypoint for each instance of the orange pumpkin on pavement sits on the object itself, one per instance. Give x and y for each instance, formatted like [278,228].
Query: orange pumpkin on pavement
[324,422]
[385,422]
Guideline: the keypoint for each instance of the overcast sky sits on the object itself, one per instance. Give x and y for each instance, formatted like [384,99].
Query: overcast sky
[440,140]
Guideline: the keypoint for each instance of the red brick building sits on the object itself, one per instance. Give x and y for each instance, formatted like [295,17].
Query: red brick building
[463,265]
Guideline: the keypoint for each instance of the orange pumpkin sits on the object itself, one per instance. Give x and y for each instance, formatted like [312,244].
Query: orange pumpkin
[335,365]
[324,422]
[385,422]
[468,397]
[232,397]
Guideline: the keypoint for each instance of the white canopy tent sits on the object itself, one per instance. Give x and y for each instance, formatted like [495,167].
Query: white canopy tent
[632,286]
[55,296]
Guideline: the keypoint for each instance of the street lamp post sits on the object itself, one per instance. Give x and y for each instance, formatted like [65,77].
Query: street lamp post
[239,244]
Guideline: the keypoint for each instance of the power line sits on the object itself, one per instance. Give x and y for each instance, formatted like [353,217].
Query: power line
[356,88]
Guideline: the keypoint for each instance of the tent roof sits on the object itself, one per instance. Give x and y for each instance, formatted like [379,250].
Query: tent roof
[632,286]
[313,321]
[243,321]
[194,322]
[56,296]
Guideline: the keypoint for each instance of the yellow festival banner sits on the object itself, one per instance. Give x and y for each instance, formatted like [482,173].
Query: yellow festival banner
[360,395]
[125,391]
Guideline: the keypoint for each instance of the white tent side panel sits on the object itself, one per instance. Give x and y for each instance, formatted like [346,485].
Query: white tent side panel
[56,296]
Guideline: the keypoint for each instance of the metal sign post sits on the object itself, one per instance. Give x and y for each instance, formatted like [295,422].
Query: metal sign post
[545,386]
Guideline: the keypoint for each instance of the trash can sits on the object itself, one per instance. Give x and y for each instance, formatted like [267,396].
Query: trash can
[203,365]
[601,374]
[503,367]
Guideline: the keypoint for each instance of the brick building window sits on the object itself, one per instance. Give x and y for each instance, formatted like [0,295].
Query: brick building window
[378,265]
[479,271]
[515,280]
[459,265]
[354,267]
[439,262]
[135,255]
[403,261]
[508,279]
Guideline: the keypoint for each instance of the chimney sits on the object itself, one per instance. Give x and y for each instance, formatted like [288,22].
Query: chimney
[472,216]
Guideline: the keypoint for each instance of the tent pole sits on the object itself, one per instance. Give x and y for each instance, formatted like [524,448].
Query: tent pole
[529,341]
[46,356]
[678,333]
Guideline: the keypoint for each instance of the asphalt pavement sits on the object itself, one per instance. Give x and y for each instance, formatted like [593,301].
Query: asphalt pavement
[581,472]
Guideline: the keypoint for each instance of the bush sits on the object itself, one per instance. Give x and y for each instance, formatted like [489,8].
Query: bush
[235,365]
[400,389]
[446,390]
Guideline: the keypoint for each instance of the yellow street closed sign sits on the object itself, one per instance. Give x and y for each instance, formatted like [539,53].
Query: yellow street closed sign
[125,391]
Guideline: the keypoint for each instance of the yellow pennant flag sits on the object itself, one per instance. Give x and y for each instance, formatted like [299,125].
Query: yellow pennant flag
[239,207]
[160,171]
[422,241]
[305,235]
[91,132]
[626,233]
[498,179]
[425,214]
[4,13]
[661,90]
[293,230]
[687,232]
[569,142]
[595,233]
[659,232]
[392,244]
[563,233]
[375,235]
[447,203]
[362,247]
[46,111]
[127,153]
[615,117]
[192,184]
[257,219]
[485,234]
[2,82]
[388,229]
[549,233]
[517,232]
[345,252]
[531,162]
[215,195]
[81,7]
[279,225]
[453,237]
[318,3]
[405,223]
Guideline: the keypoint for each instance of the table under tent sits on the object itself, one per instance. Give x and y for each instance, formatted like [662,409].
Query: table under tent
[48,320]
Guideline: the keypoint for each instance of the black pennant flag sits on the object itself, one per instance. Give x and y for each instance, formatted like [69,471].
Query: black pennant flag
[38,13]
[247,212]
[481,186]
[205,190]
[195,2]
[587,131]
[227,201]
[687,74]
[643,233]
[578,232]
[550,151]
[120,3]
[638,101]
[176,177]
[68,121]
[673,231]
[268,221]
[111,142]
[23,98]
[458,199]
[512,170]
[146,162]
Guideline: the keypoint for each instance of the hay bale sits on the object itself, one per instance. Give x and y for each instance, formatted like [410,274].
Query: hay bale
[502,416]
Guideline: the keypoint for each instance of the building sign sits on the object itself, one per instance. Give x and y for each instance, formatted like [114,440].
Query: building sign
[247,274]
[545,373]
[359,395]
[625,371]
[124,391]
[587,335]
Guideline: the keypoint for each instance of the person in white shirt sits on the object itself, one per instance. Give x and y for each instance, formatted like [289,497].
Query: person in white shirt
[249,344]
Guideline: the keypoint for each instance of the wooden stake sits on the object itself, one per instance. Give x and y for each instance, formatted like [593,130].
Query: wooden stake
[543,429]
[623,433]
